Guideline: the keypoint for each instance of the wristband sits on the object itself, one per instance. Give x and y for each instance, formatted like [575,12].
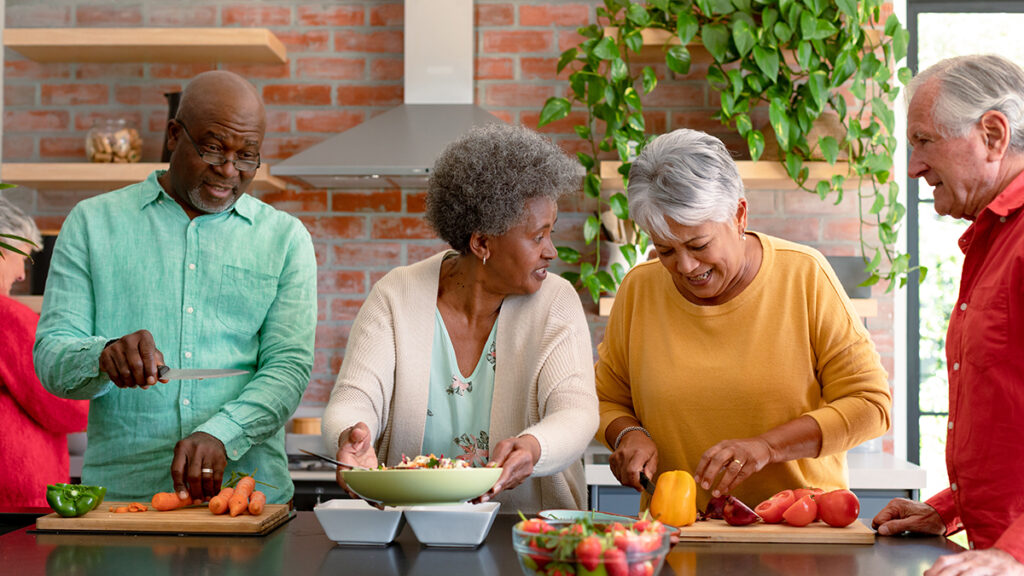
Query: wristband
[627,430]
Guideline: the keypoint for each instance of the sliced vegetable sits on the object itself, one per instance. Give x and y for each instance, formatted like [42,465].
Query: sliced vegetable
[71,500]
[166,501]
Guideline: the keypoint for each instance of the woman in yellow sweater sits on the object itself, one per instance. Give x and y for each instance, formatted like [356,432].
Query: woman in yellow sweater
[736,356]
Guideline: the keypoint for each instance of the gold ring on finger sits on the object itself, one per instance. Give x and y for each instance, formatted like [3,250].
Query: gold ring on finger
[738,461]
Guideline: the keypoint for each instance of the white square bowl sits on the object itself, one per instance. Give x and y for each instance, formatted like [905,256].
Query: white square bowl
[356,523]
[452,525]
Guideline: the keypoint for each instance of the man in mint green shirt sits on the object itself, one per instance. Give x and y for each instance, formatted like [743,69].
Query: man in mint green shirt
[186,270]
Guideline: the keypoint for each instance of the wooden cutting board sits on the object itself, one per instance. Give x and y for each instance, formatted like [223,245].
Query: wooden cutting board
[197,520]
[816,532]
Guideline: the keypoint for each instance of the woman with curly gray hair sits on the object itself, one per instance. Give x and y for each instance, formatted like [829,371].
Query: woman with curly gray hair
[477,353]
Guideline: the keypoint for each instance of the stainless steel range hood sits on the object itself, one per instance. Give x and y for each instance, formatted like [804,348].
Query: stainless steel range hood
[402,144]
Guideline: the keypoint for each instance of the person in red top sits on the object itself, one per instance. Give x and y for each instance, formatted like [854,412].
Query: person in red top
[966,126]
[34,424]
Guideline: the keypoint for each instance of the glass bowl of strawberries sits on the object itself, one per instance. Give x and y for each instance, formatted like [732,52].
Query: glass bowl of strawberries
[587,547]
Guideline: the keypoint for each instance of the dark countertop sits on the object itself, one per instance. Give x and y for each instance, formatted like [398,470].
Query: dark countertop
[300,547]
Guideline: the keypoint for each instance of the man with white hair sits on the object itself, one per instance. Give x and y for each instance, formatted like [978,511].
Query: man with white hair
[966,126]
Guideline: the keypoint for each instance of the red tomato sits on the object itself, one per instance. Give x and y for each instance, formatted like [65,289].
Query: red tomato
[801,492]
[838,508]
[802,512]
[771,510]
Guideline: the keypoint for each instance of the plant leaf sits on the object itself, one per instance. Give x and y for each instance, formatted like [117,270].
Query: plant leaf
[755,141]
[554,109]
[743,37]
[686,26]
[848,7]
[619,205]
[829,149]
[619,70]
[803,54]
[767,60]
[716,39]
[590,228]
[566,57]
[678,59]
[606,280]
[606,49]
[568,255]
[638,14]
[592,186]
[783,32]
[650,79]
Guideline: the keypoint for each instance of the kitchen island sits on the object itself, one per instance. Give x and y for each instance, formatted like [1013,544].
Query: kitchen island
[300,547]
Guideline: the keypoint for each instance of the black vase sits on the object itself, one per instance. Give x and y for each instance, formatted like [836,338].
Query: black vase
[172,110]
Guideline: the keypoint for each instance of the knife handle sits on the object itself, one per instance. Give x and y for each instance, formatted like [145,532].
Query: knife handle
[162,370]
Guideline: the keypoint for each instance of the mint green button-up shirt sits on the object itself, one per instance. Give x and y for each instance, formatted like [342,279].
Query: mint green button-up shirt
[230,290]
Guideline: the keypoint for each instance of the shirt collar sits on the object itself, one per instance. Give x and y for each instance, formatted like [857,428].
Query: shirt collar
[152,191]
[1010,199]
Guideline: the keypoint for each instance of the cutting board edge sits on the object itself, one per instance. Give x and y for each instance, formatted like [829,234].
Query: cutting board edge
[53,524]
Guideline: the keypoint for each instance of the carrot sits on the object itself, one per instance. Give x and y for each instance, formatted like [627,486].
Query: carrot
[256,502]
[164,501]
[219,503]
[137,507]
[239,501]
[121,509]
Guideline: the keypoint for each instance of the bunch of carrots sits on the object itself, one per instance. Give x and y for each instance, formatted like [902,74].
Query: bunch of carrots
[239,496]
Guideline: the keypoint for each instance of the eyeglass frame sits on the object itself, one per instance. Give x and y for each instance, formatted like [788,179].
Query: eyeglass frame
[223,159]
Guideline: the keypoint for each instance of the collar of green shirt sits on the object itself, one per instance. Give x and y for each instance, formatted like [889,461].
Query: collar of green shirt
[244,207]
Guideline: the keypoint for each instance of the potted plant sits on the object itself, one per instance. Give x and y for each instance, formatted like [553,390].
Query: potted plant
[799,58]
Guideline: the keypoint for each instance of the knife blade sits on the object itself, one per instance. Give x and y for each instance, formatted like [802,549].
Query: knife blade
[168,373]
[647,483]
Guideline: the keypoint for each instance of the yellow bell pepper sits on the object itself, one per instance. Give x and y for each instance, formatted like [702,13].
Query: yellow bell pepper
[675,499]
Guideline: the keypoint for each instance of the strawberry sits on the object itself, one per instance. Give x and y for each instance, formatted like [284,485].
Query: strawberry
[615,562]
[535,526]
[588,552]
[541,559]
[642,569]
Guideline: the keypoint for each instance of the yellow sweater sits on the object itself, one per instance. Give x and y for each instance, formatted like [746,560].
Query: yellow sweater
[789,344]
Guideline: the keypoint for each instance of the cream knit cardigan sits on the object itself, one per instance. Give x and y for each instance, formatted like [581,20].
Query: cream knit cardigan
[543,384]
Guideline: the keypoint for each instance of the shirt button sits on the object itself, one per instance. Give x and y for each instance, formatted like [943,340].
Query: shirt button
[953,486]
[963,306]
[191,266]
[234,453]
[188,354]
[972,544]
[1002,218]
[189,309]
[956,365]
[950,425]
[185,402]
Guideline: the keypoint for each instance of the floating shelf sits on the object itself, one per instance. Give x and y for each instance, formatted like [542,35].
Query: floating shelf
[865,307]
[761,175]
[97,176]
[175,45]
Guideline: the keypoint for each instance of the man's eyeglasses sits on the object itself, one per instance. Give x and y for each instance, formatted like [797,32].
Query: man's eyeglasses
[218,159]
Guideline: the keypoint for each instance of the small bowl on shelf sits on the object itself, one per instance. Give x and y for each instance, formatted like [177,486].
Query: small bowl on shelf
[356,523]
[453,525]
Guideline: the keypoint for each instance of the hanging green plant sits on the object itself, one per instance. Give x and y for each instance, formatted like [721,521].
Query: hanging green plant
[797,57]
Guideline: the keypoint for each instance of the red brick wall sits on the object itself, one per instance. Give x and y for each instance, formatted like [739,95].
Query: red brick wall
[345,65]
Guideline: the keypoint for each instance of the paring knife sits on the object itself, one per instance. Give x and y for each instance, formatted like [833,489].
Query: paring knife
[647,483]
[332,460]
[168,373]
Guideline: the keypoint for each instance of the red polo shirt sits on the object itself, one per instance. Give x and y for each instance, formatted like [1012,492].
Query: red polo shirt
[985,355]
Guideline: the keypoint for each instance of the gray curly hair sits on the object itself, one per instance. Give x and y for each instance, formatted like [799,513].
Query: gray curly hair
[971,85]
[684,175]
[14,222]
[482,181]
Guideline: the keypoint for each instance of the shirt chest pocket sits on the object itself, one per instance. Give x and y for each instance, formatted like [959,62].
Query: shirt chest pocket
[245,296]
[986,329]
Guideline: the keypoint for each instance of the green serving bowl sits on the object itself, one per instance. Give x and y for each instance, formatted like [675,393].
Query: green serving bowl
[421,485]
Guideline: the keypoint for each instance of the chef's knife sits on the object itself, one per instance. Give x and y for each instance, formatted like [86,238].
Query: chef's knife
[647,483]
[168,373]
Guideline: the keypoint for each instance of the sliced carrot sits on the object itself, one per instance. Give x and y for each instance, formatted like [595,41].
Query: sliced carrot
[113,508]
[121,509]
[256,502]
[219,503]
[137,507]
[239,501]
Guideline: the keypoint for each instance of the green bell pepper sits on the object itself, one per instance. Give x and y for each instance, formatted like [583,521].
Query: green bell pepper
[70,500]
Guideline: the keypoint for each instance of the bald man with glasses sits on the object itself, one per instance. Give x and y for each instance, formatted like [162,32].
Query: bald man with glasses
[184,270]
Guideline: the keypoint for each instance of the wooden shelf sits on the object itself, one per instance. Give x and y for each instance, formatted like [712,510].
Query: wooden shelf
[865,307]
[661,37]
[96,176]
[175,45]
[761,175]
